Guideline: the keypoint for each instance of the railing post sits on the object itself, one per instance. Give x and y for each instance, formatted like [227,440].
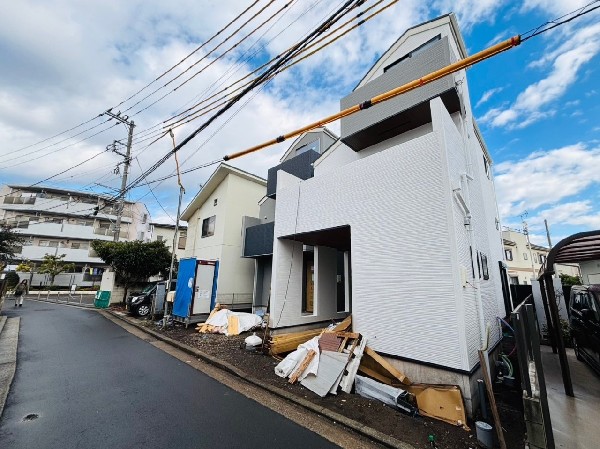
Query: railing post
[537,358]
[57,297]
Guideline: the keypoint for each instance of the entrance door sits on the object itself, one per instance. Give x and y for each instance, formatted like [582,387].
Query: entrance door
[308,289]
[205,275]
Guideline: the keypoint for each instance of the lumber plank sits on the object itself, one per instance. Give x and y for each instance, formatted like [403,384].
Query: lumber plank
[344,325]
[492,399]
[386,365]
[294,377]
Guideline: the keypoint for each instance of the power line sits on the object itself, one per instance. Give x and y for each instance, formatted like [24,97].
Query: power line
[347,6]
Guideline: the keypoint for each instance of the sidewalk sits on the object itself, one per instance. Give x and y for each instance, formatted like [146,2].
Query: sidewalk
[575,421]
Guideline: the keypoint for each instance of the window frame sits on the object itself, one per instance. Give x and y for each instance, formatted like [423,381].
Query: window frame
[508,254]
[206,230]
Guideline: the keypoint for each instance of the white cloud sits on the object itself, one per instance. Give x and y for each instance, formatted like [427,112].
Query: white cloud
[532,104]
[555,7]
[487,95]
[469,12]
[545,178]
[577,213]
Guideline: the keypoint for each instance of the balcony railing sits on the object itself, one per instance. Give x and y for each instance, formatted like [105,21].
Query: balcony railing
[110,232]
[19,200]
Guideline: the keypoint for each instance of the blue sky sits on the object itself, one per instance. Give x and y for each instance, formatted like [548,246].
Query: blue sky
[64,62]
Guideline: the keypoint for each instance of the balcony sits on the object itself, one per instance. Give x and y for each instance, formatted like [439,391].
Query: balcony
[19,200]
[404,112]
[299,166]
[110,233]
[31,252]
[258,240]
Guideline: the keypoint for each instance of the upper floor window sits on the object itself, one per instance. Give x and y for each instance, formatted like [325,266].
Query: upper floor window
[415,52]
[208,226]
[314,146]
[508,254]
[542,258]
[159,238]
[486,166]
[215,202]
[524,256]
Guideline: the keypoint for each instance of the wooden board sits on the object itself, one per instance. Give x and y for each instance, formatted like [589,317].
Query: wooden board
[488,385]
[352,367]
[296,374]
[344,325]
[373,362]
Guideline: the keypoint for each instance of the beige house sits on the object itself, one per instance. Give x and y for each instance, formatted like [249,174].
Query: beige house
[214,230]
[525,262]
[165,232]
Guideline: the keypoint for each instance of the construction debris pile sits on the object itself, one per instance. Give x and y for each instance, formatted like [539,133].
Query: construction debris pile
[327,361]
[224,321]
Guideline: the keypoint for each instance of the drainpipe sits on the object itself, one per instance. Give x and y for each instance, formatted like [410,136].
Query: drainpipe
[465,178]
[476,280]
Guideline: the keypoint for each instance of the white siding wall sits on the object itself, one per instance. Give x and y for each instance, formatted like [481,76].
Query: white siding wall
[403,272]
[236,197]
[590,272]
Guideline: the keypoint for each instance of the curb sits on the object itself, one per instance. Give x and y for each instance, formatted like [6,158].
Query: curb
[369,432]
[78,306]
[8,357]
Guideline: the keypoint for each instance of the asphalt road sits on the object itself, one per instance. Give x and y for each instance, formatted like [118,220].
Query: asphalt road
[94,385]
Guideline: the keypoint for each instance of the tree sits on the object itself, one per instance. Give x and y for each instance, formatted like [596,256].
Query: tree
[12,279]
[134,261]
[54,265]
[24,266]
[9,241]
[566,279]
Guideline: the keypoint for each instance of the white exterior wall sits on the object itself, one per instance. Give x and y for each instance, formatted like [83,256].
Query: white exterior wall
[167,234]
[236,197]
[590,272]
[409,244]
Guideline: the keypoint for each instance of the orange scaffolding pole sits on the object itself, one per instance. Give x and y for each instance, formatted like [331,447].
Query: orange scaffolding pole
[433,76]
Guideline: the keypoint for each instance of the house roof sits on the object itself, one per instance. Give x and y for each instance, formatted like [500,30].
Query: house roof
[455,32]
[213,182]
[323,129]
[168,226]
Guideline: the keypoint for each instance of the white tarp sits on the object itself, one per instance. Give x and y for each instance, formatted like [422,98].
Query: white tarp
[246,321]
[288,365]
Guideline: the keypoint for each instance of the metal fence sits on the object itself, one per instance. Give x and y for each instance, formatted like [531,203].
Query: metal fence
[73,298]
[535,401]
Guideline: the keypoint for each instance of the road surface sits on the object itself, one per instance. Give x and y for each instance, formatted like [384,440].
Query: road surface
[84,382]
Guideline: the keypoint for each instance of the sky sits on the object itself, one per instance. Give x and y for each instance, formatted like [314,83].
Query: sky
[64,62]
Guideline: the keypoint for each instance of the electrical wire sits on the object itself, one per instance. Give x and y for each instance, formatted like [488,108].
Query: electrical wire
[348,5]
[153,194]
[202,59]
[551,24]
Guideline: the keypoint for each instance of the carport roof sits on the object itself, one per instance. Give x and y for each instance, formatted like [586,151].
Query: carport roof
[576,248]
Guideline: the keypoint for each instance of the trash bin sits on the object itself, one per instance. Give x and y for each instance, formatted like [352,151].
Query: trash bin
[102,299]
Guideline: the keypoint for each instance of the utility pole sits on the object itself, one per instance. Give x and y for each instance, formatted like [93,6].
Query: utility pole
[526,232]
[127,160]
[548,233]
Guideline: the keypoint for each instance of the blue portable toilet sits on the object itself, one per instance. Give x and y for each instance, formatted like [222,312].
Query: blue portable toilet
[196,291]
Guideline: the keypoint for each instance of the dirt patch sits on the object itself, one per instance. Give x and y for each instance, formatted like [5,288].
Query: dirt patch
[413,430]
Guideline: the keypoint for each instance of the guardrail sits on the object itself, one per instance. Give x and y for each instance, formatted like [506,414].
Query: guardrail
[83,299]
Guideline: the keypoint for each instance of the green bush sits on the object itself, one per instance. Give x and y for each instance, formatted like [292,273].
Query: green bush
[12,279]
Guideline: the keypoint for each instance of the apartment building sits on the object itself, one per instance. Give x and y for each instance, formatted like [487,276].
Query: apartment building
[524,261]
[58,221]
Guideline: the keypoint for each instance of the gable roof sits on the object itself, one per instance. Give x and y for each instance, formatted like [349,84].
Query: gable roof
[410,31]
[320,129]
[213,182]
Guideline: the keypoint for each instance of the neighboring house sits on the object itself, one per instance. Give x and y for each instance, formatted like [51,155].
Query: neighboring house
[399,224]
[214,230]
[590,272]
[519,255]
[166,232]
[57,221]
[258,232]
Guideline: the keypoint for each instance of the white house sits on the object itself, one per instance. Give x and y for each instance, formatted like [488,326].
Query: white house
[58,221]
[590,272]
[399,224]
[214,230]
[166,232]
[524,261]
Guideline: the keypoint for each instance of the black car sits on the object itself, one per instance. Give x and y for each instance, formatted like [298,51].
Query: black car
[140,304]
[584,319]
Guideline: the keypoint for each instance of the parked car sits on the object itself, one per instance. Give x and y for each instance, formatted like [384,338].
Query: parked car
[584,320]
[140,304]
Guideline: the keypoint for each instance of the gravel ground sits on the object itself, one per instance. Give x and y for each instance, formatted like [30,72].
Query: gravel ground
[413,430]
